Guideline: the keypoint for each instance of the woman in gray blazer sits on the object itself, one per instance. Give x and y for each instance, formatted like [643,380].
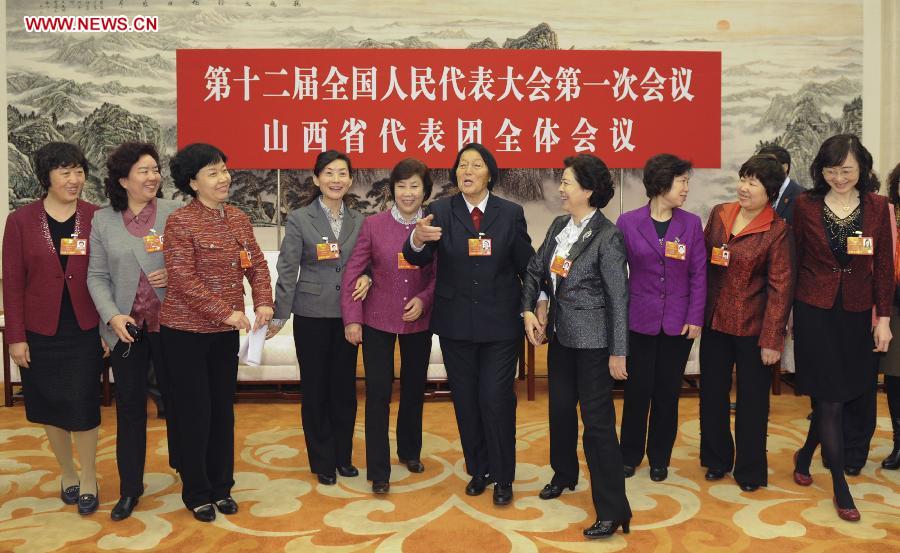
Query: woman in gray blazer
[127,281]
[581,264]
[317,242]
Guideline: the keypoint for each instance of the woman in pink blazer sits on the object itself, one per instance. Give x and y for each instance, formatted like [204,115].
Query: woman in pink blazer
[667,290]
[397,305]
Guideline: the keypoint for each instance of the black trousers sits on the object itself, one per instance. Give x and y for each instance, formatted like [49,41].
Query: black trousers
[655,368]
[581,376]
[328,378]
[203,370]
[745,452]
[859,423]
[130,369]
[481,376]
[378,356]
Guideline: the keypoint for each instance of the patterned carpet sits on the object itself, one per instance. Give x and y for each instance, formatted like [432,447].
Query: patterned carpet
[283,508]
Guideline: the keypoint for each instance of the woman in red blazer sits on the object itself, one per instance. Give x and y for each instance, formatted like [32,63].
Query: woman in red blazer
[845,267]
[749,280]
[51,322]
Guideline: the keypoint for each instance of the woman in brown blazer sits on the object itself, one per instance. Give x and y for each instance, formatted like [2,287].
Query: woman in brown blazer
[748,299]
[845,267]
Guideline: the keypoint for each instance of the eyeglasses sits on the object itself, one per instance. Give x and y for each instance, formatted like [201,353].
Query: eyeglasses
[844,172]
[683,180]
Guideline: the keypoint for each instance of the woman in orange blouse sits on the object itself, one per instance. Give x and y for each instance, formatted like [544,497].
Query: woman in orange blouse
[209,249]
[748,296]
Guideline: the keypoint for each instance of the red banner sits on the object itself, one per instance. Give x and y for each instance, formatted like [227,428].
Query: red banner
[277,109]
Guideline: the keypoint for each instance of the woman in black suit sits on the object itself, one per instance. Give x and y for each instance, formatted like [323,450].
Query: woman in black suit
[483,246]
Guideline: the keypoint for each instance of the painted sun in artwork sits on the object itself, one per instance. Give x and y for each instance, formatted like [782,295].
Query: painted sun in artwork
[723,25]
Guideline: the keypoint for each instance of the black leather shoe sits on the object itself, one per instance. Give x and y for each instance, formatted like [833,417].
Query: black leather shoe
[327,479]
[892,461]
[123,508]
[477,485]
[747,487]
[348,471]
[69,495]
[380,487]
[852,471]
[715,474]
[503,494]
[88,503]
[227,506]
[552,491]
[413,465]
[605,528]
[205,513]
[658,474]
[629,471]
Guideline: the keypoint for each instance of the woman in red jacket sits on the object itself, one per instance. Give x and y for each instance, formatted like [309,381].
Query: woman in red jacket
[844,268]
[51,322]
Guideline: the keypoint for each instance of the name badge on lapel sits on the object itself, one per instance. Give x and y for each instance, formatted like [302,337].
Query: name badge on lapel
[560,266]
[480,246]
[73,246]
[327,250]
[860,245]
[720,256]
[153,242]
[245,259]
[676,250]
[403,264]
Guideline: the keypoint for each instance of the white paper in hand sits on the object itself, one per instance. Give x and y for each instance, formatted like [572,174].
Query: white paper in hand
[252,346]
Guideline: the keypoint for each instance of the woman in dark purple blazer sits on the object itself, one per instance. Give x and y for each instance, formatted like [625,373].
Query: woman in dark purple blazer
[397,305]
[667,287]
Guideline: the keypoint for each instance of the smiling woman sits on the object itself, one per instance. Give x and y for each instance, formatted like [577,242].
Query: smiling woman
[209,250]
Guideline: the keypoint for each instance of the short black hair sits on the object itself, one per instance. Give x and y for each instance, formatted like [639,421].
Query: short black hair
[188,162]
[488,158]
[832,153]
[781,154]
[54,155]
[894,185]
[118,166]
[592,174]
[767,170]
[327,157]
[408,168]
[661,170]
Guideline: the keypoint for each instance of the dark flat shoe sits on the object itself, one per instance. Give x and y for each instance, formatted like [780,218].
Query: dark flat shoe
[503,494]
[852,471]
[327,479]
[348,471]
[413,465]
[748,487]
[892,461]
[629,471]
[123,508]
[227,506]
[69,495]
[605,528]
[658,474]
[715,474]
[88,503]
[552,491]
[381,487]
[205,513]
[477,485]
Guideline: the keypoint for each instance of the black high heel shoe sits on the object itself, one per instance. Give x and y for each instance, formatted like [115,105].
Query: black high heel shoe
[606,528]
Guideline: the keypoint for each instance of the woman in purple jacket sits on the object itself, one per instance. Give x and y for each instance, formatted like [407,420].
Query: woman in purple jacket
[397,305]
[667,287]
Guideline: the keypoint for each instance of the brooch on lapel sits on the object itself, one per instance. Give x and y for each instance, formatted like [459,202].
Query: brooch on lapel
[586,235]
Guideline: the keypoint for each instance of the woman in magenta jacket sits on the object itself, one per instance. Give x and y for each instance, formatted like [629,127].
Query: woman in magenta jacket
[667,290]
[397,305]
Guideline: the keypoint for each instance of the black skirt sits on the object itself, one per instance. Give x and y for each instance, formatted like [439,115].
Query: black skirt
[833,351]
[62,383]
